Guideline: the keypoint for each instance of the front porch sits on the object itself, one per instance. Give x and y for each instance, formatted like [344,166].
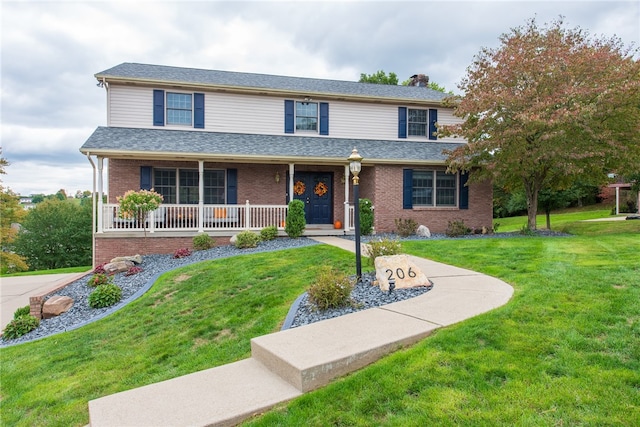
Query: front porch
[215,220]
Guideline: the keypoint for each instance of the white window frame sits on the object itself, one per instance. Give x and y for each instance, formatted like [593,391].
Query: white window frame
[296,115]
[167,108]
[434,189]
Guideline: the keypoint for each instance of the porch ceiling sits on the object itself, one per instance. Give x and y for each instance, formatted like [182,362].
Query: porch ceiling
[112,142]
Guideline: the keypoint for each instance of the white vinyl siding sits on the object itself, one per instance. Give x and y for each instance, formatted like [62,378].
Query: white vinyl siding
[131,106]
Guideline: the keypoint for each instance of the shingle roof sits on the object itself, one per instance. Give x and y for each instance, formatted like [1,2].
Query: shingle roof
[304,86]
[114,141]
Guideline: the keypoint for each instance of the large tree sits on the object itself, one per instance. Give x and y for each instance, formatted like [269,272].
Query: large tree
[547,106]
[379,77]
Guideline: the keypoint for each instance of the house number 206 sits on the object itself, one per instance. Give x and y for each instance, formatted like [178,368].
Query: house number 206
[400,273]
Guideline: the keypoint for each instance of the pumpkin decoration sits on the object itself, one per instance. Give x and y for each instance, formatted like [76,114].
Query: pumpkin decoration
[337,224]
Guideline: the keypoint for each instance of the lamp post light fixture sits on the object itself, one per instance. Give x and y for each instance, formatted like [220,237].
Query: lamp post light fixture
[355,165]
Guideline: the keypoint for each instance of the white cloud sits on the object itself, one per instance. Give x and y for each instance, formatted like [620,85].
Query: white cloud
[50,51]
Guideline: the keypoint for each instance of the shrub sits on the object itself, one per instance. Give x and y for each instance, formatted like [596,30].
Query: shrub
[406,227]
[22,311]
[526,231]
[330,290]
[366,217]
[202,242]
[457,228]
[247,239]
[383,247]
[105,296]
[20,326]
[133,270]
[100,268]
[98,280]
[12,263]
[182,253]
[296,222]
[269,233]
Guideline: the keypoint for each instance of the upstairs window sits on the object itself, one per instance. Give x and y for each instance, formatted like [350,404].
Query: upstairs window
[417,122]
[179,109]
[306,116]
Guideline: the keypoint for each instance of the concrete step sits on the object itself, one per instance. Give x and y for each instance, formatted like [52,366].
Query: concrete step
[311,356]
[222,396]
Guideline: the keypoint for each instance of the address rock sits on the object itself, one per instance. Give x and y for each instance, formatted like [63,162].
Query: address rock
[56,305]
[398,267]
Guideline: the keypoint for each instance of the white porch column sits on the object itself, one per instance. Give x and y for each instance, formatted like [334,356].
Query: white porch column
[100,193]
[291,172]
[346,198]
[617,200]
[200,196]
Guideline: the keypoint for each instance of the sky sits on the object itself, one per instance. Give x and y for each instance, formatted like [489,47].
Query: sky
[50,51]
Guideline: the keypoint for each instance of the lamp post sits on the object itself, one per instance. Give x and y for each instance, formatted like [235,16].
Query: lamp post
[355,165]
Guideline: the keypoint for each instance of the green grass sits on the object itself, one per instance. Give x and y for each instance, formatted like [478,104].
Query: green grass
[193,318]
[54,271]
[564,351]
[559,219]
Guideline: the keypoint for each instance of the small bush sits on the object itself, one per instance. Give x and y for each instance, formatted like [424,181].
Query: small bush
[383,247]
[457,228]
[182,253]
[133,270]
[12,263]
[406,227]
[331,289]
[526,231]
[296,221]
[366,217]
[202,242]
[20,326]
[100,268]
[22,311]
[98,280]
[269,233]
[247,239]
[105,296]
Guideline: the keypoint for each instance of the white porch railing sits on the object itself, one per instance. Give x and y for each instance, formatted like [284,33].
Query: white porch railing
[174,217]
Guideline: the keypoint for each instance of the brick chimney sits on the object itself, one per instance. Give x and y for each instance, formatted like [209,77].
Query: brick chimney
[419,80]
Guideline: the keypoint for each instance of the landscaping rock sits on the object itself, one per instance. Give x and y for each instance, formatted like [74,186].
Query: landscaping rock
[56,305]
[136,259]
[398,267]
[117,267]
[423,231]
[233,239]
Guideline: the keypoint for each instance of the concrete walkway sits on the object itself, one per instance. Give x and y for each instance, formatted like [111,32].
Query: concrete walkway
[287,364]
[15,291]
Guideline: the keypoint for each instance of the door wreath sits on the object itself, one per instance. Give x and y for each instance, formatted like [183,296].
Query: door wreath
[321,189]
[299,188]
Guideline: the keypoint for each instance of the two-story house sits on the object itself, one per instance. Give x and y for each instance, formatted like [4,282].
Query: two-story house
[229,150]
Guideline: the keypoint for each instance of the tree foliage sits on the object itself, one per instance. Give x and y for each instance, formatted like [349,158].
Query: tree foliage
[56,234]
[548,106]
[380,77]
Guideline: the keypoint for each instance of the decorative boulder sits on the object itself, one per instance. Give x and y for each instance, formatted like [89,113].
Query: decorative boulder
[233,239]
[117,267]
[423,231]
[56,305]
[136,259]
[399,268]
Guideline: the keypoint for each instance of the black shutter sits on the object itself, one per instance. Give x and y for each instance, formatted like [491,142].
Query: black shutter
[198,110]
[433,119]
[232,186]
[324,118]
[407,189]
[402,122]
[158,107]
[289,116]
[464,191]
[145,178]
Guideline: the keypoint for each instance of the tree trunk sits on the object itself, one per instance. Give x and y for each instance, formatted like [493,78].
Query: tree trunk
[531,189]
[548,214]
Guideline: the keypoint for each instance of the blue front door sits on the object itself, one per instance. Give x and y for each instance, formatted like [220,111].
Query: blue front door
[315,191]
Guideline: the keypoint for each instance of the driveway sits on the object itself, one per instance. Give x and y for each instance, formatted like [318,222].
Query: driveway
[15,291]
